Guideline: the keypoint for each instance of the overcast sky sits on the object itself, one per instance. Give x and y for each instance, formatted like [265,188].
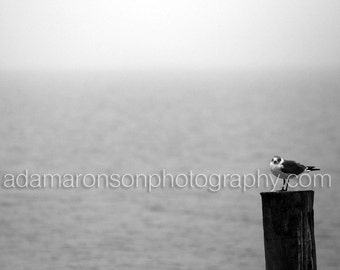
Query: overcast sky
[105,34]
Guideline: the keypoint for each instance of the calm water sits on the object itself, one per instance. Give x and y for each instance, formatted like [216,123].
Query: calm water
[225,122]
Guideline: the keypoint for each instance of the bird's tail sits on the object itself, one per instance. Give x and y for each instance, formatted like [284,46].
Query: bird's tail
[311,168]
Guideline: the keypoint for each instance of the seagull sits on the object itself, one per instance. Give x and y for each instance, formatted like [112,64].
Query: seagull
[286,169]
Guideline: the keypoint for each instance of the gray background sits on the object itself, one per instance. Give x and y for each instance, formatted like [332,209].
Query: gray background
[141,86]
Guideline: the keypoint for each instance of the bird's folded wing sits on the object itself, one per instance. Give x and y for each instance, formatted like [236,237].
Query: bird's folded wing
[292,167]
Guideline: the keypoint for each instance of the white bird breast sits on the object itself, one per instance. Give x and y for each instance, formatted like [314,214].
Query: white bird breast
[276,170]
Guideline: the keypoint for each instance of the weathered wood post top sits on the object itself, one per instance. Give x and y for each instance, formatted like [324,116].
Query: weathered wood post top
[288,225]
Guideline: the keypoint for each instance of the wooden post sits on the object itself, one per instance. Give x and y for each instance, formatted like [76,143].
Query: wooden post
[288,225]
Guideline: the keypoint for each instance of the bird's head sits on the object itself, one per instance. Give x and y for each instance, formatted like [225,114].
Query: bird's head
[276,160]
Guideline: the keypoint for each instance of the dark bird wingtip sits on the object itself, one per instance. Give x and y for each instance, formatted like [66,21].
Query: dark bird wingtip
[312,168]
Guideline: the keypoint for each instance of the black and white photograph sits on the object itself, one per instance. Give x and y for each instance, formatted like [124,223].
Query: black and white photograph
[169,135]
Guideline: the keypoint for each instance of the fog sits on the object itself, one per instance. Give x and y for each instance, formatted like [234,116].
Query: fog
[152,34]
